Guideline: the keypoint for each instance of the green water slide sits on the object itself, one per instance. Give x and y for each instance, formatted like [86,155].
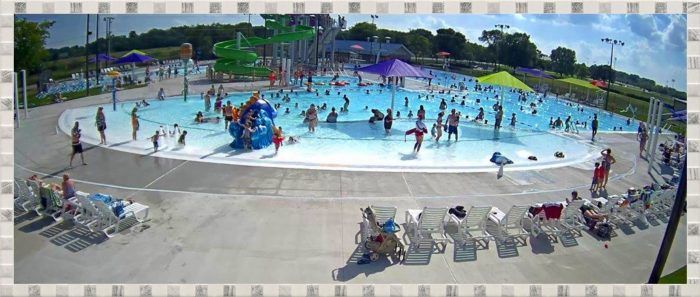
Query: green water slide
[237,56]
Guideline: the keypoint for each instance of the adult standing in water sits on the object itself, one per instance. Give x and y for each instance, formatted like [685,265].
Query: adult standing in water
[101,124]
[134,123]
[499,118]
[421,130]
[388,121]
[594,126]
[228,114]
[608,160]
[312,118]
[452,125]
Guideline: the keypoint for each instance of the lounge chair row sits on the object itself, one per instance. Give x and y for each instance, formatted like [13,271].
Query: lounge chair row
[95,215]
[482,224]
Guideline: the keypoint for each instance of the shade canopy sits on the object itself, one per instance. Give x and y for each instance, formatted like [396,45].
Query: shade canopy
[357,47]
[578,82]
[133,58]
[599,83]
[533,72]
[135,52]
[394,67]
[504,78]
[442,54]
[102,58]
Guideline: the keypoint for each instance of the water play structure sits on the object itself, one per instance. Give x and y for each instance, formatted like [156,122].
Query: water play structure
[238,56]
[261,114]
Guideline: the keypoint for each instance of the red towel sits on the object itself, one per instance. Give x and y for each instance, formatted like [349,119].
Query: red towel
[553,211]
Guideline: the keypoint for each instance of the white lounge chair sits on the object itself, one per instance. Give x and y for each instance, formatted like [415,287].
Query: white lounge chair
[27,200]
[381,215]
[511,226]
[473,225]
[572,218]
[109,223]
[423,224]
[87,214]
[548,225]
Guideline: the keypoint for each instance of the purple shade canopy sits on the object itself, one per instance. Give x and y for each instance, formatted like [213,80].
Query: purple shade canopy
[394,67]
[533,72]
[133,58]
[102,58]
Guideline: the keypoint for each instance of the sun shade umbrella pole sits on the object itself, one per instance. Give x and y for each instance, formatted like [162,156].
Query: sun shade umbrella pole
[671,228]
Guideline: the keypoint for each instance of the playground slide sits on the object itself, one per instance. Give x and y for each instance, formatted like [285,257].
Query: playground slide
[235,60]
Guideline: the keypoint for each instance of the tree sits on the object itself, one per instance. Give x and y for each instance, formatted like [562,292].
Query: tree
[419,45]
[450,41]
[361,31]
[518,50]
[581,70]
[30,39]
[563,60]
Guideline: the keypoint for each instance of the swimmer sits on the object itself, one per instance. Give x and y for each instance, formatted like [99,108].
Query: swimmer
[286,111]
[410,114]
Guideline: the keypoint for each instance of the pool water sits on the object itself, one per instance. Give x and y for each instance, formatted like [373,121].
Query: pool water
[353,143]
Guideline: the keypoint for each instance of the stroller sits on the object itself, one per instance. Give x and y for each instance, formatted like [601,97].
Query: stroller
[381,238]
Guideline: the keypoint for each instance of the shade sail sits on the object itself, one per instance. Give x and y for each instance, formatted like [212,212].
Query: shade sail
[533,72]
[102,58]
[578,82]
[394,67]
[135,52]
[504,78]
[133,58]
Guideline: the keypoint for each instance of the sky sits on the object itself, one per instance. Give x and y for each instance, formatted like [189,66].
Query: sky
[655,45]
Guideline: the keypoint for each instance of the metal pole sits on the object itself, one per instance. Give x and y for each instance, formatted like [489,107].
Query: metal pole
[97,49]
[657,127]
[650,125]
[87,71]
[671,228]
[24,92]
[114,94]
[317,18]
[610,74]
[16,99]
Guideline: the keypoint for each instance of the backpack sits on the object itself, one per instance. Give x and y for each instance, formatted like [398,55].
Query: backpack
[604,231]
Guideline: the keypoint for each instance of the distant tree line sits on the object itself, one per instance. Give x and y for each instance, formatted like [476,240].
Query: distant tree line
[511,49]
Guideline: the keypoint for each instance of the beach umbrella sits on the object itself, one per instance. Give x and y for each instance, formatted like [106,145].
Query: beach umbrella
[599,83]
[394,68]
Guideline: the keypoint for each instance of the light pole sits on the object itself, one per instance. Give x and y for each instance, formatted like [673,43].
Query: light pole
[499,47]
[87,52]
[108,28]
[612,43]
[373,18]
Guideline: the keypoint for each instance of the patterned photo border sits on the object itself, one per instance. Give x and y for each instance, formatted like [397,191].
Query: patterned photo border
[9,7]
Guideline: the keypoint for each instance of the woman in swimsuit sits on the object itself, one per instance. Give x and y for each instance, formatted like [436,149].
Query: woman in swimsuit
[134,123]
[101,124]
[312,118]
[608,160]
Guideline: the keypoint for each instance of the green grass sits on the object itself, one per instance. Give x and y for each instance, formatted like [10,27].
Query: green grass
[679,276]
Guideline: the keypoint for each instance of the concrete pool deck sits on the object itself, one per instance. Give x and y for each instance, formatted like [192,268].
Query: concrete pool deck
[217,223]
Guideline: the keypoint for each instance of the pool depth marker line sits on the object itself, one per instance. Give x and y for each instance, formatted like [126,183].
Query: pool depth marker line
[160,177]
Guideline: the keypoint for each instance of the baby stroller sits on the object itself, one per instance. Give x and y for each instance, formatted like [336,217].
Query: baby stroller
[381,238]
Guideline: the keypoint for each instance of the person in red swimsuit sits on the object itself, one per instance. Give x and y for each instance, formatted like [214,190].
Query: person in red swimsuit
[277,138]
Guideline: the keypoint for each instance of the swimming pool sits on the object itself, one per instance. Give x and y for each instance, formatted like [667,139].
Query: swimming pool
[354,144]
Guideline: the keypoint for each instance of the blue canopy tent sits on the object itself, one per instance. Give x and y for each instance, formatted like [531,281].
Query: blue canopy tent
[394,68]
[133,58]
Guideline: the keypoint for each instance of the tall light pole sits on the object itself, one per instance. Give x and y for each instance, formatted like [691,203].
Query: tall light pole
[97,49]
[374,17]
[612,43]
[108,28]
[499,47]
[87,53]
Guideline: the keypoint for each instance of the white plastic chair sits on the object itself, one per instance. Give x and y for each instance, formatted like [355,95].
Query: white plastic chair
[473,225]
[422,224]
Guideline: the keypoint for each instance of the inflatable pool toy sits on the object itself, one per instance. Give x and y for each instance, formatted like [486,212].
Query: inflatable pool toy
[339,83]
[319,83]
[262,125]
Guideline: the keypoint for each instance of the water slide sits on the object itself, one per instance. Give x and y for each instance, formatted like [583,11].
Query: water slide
[236,56]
